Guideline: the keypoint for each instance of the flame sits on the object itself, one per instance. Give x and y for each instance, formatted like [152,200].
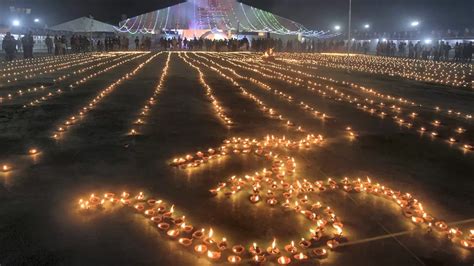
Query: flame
[211,232]
[274,243]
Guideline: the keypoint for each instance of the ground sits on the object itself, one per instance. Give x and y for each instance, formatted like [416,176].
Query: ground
[42,223]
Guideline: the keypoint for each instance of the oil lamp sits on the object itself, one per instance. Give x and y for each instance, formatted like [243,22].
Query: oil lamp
[223,244]
[6,168]
[291,247]
[273,250]
[238,249]
[233,259]
[254,249]
[213,255]
[300,256]
[200,249]
[185,241]
[320,252]
[173,233]
[283,260]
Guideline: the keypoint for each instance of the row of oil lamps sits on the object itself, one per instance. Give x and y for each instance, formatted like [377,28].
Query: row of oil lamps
[35,71]
[446,73]
[26,64]
[42,99]
[290,99]
[209,93]
[345,97]
[370,91]
[19,64]
[60,130]
[91,65]
[34,151]
[152,100]
[265,108]
[407,121]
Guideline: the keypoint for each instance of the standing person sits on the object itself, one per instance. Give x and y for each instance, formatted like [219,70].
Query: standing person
[49,44]
[9,46]
[468,49]
[28,44]
[63,45]
[100,47]
[447,48]
[137,43]
[457,52]
[56,45]
[411,48]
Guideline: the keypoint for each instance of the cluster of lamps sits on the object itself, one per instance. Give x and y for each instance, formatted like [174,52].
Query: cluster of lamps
[91,65]
[42,99]
[275,187]
[371,91]
[74,119]
[209,93]
[265,108]
[370,106]
[445,73]
[29,71]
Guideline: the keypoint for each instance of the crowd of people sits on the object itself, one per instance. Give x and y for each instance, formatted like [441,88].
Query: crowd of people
[436,51]
[59,45]
[10,45]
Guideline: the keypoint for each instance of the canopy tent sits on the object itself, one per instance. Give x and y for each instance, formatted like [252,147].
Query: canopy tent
[83,25]
[215,15]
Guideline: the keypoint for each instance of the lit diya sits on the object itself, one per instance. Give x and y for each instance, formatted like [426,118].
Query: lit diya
[272,201]
[163,226]
[283,260]
[173,233]
[223,244]
[234,259]
[300,256]
[33,151]
[200,249]
[305,243]
[254,249]
[467,243]
[213,255]
[320,252]
[198,234]
[238,249]
[417,220]
[208,240]
[185,241]
[170,213]
[332,244]
[273,250]
[291,248]
[259,258]
[186,228]
[254,198]
[5,168]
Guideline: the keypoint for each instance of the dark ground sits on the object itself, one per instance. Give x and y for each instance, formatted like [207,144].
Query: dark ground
[40,224]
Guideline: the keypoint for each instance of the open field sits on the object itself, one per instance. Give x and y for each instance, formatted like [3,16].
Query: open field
[95,123]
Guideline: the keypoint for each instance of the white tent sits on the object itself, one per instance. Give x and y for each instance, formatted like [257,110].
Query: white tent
[83,25]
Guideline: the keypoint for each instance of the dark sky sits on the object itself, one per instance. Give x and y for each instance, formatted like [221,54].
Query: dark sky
[383,15]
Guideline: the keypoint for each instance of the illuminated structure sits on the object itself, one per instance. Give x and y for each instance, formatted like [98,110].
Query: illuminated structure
[203,17]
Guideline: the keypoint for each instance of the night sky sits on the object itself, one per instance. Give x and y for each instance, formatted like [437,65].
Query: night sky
[382,15]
